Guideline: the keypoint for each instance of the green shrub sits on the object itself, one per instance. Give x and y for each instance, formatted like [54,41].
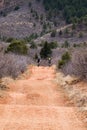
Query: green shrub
[16,8]
[36,56]
[29,4]
[60,32]
[66,44]
[61,63]
[53,34]
[33,45]
[53,45]
[65,58]
[80,35]
[66,31]
[10,39]
[73,26]
[18,47]
[31,37]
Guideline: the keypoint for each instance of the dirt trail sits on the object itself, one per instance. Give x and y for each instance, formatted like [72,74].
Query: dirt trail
[36,102]
[45,36]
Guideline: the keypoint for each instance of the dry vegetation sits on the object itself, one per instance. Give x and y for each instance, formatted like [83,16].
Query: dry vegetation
[76,90]
[78,63]
[12,65]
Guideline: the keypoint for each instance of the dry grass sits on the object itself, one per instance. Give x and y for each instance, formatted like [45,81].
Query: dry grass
[77,93]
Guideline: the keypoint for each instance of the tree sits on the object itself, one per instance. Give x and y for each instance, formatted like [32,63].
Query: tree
[18,47]
[80,35]
[53,34]
[66,31]
[29,4]
[69,8]
[46,50]
[66,44]
[60,32]
[73,26]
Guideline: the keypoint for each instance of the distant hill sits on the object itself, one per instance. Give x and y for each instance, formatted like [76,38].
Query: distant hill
[10,4]
[69,8]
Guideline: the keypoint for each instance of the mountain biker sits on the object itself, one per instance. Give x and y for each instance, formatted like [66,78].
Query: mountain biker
[49,61]
[38,61]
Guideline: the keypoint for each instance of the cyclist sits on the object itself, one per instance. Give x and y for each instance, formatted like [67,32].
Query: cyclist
[38,61]
[49,61]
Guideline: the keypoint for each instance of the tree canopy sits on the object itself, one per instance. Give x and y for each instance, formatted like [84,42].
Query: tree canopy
[70,8]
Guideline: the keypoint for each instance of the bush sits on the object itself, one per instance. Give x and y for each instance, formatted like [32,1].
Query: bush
[61,63]
[60,32]
[66,44]
[66,56]
[73,26]
[18,47]
[45,51]
[12,65]
[10,39]
[29,4]
[66,31]
[79,63]
[36,56]
[16,8]
[53,34]
[65,59]
[33,45]
[80,35]
[31,37]
[53,45]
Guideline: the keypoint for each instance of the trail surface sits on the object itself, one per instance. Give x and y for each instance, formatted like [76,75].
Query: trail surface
[36,102]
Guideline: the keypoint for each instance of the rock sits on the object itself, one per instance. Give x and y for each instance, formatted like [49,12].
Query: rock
[71,80]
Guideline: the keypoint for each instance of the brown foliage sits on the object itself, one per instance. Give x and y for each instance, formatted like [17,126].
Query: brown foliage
[78,64]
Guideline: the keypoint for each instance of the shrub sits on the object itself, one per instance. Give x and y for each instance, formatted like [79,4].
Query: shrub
[18,47]
[80,35]
[29,4]
[66,31]
[79,62]
[12,65]
[31,37]
[66,44]
[10,39]
[36,56]
[73,26]
[44,26]
[65,59]
[66,56]
[61,63]
[53,34]
[16,8]
[33,45]
[60,32]
[53,45]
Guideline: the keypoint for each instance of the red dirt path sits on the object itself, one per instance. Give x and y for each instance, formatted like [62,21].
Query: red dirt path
[37,103]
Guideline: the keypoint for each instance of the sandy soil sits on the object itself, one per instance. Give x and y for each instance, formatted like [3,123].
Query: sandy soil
[37,102]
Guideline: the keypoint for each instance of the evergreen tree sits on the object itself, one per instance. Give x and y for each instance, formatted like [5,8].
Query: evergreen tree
[46,50]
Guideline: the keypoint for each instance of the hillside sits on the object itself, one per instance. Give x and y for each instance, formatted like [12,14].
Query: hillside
[43,64]
[70,8]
